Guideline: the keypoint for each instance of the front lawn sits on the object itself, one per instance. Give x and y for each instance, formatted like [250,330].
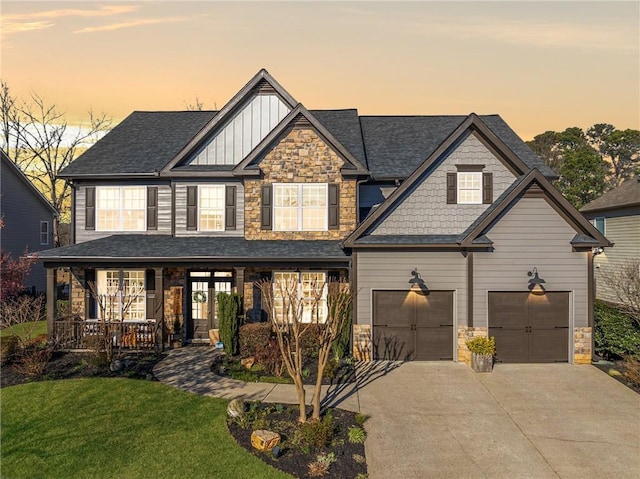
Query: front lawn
[34,329]
[118,428]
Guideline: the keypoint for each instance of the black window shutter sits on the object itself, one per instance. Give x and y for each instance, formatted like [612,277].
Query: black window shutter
[334,206]
[487,188]
[90,306]
[230,208]
[90,208]
[152,208]
[150,292]
[266,210]
[192,207]
[452,188]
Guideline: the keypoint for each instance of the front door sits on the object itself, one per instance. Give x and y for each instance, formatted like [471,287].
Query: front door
[203,287]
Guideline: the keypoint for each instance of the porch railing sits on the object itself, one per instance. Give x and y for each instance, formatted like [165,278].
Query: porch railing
[129,335]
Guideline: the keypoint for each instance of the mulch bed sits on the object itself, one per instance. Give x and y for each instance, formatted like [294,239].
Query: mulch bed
[72,365]
[349,457]
[617,370]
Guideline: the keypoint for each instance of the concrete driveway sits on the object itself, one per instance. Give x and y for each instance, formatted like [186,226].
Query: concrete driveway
[441,420]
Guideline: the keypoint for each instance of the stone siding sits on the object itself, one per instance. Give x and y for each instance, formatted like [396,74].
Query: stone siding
[77,298]
[362,344]
[174,288]
[582,341]
[300,157]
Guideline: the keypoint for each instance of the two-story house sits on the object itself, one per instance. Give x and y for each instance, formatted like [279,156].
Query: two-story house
[27,219]
[187,204]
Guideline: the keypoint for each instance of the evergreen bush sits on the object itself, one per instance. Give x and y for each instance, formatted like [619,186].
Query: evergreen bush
[229,307]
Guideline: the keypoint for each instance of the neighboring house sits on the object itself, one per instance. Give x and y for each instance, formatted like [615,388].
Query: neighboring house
[27,217]
[616,214]
[187,204]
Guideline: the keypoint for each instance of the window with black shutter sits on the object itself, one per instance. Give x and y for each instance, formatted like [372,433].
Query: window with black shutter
[90,208]
[152,208]
[192,207]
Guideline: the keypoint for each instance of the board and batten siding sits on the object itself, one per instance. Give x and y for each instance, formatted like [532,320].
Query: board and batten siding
[391,270]
[531,234]
[164,214]
[425,209]
[243,132]
[181,211]
[624,232]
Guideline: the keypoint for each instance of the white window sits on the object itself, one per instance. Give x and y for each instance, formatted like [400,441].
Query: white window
[470,188]
[121,208]
[300,207]
[211,208]
[308,287]
[44,232]
[121,293]
[600,224]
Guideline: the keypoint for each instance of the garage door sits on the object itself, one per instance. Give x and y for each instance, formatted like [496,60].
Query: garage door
[530,328]
[410,326]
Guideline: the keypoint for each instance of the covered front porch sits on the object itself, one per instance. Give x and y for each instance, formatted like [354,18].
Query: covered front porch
[143,301]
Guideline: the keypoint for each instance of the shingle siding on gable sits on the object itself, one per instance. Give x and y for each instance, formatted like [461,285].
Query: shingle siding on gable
[181,211]
[164,214]
[425,210]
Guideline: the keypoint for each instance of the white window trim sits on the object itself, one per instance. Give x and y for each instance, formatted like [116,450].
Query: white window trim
[48,233]
[474,173]
[100,284]
[300,207]
[224,201]
[121,218]
[323,316]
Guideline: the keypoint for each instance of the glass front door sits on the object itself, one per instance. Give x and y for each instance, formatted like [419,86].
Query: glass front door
[204,285]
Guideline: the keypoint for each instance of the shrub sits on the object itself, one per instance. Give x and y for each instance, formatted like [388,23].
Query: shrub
[632,370]
[356,435]
[228,311]
[361,418]
[310,342]
[8,348]
[321,465]
[256,340]
[616,334]
[482,345]
[316,434]
[33,359]
[340,346]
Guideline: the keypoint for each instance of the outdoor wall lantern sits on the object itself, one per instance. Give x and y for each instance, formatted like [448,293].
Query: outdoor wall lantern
[535,283]
[597,250]
[417,283]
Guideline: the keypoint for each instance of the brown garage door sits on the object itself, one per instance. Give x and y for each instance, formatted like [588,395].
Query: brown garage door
[409,326]
[529,328]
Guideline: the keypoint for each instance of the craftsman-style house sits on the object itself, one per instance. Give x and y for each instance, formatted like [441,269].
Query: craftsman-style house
[182,205]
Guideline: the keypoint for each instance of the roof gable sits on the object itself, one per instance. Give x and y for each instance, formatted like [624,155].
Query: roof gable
[472,124]
[534,184]
[299,115]
[34,191]
[261,84]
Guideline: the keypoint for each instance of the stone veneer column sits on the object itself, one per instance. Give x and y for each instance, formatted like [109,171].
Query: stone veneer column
[465,333]
[582,345]
[362,343]
[77,299]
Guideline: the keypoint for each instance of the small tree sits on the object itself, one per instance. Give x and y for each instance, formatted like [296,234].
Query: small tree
[13,274]
[339,301]
[625,284]
[229,305]
[285,308]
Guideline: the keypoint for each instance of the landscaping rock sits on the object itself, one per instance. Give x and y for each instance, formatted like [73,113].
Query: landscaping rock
[248,362]
[264,440]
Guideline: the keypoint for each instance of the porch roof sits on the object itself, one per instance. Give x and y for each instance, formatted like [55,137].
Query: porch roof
[166,248]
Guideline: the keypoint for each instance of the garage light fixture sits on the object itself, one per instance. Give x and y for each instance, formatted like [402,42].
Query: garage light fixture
[535,283]
[417,283]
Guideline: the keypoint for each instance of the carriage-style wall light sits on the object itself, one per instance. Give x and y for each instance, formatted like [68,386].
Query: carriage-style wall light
[417,283]
[535,283]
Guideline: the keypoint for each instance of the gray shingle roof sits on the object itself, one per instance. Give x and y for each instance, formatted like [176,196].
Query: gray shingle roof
[625,195]
[143,142]
[164,247]
[407,239]
[397,145]
[390,146]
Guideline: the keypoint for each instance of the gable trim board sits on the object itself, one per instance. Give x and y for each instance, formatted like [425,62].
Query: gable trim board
[226,112]
[299,117]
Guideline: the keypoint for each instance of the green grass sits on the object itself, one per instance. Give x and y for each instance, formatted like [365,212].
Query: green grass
[35,328]
[119,428]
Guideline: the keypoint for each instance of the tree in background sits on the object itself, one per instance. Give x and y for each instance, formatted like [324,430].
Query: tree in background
[38,138]
[582,177]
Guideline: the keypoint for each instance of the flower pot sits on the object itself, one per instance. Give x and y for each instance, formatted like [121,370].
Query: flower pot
[214,336]
[175,340]
[481,363]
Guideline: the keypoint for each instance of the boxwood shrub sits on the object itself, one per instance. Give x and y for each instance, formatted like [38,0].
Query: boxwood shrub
[616,334]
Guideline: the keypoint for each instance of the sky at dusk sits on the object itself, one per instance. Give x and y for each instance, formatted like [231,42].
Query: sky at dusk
[541,66]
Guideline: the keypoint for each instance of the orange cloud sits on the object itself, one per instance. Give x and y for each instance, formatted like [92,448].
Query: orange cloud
[102,11]
[131,24]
